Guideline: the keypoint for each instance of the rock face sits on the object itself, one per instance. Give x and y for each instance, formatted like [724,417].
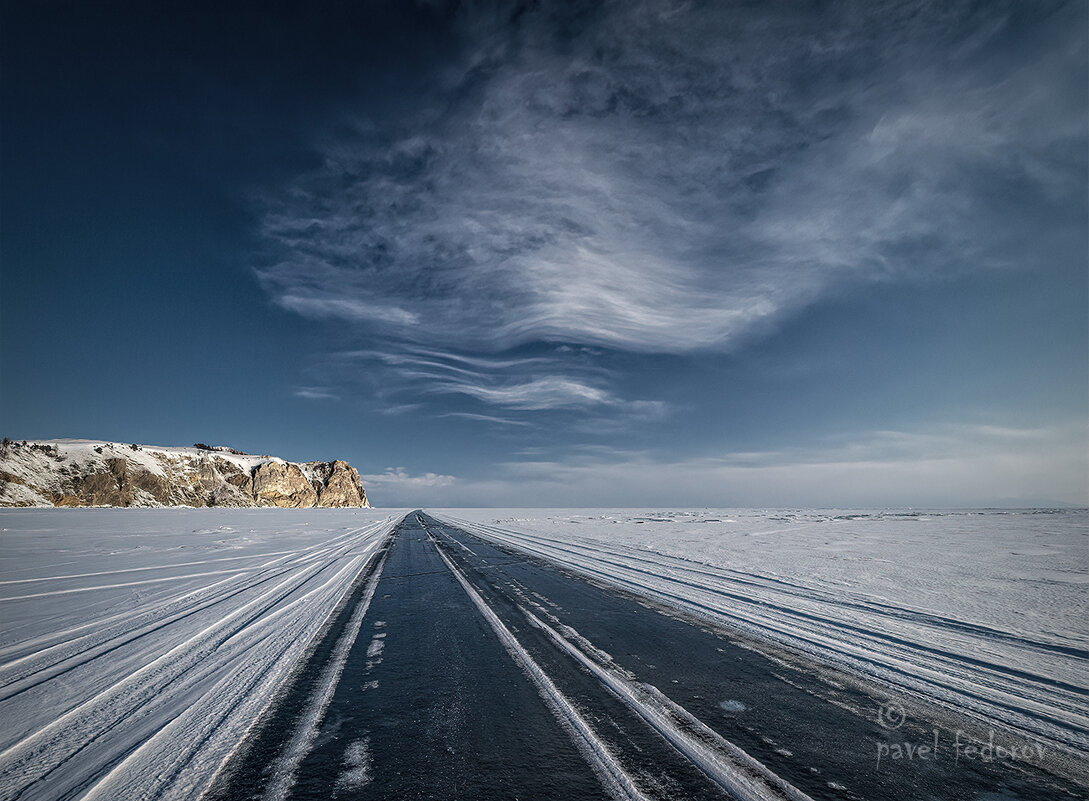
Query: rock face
[92,473]
[284,485]
[341,484]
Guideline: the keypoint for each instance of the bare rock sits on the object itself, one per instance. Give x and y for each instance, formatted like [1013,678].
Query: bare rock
[282,484]
[341,484]
[228,495]
[243,483]
[105,489]
[152,484]
[92,473]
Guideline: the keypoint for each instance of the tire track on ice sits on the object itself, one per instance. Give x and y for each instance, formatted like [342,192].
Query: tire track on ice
[728,766]
[140,569]
[96,587]
[306,732]
[169,755]
[677,567]
[1026,703]
[26,765]
[744,778]
[618,783]
[27,672]
[35,646]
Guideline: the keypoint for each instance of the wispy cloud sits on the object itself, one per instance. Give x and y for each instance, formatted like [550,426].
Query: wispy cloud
[315,393]
[670,178]
[524,384]
[345,308]
[550,392]
[486,418]
[400,408]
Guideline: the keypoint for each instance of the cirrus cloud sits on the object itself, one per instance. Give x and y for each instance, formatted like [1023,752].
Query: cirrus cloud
[668,178]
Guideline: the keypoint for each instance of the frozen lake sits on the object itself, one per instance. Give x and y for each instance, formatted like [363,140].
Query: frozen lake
[138,648]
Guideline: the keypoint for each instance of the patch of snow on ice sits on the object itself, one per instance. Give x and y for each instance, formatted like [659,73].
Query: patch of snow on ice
[357,758]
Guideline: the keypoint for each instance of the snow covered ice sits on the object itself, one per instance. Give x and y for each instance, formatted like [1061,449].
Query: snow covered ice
[138,646]
[986,612]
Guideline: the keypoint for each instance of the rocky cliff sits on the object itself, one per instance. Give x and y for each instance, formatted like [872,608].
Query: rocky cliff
[67,472]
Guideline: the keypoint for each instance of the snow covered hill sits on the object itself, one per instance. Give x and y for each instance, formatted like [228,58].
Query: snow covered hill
[81,472]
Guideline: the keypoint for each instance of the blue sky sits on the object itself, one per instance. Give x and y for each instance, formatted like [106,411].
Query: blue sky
[629,253]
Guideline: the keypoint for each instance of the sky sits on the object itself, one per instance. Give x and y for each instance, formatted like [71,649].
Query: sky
[560,254]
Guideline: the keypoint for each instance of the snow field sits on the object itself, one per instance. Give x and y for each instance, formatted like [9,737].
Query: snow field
[137,647]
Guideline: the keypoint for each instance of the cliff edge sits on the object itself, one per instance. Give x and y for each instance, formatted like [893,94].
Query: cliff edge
[80,472]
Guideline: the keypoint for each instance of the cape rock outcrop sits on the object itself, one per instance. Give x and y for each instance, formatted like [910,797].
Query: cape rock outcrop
[69,472]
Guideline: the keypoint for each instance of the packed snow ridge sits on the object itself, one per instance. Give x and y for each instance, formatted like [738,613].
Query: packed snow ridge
[82,472]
